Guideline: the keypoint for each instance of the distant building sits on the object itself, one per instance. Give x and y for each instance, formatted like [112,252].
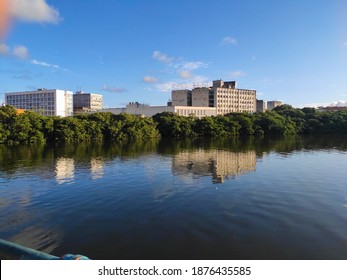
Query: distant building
[47,102]
[261,106]
[273,104]
[332,108]
[224,96]
[139,109]
[86,102]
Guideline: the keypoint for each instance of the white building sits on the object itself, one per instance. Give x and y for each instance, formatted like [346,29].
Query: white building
[47,102]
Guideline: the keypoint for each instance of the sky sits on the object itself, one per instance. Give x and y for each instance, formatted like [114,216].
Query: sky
[140,50]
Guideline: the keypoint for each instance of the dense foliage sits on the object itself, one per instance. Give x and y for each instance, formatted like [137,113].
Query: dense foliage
[29,127]
[283,120]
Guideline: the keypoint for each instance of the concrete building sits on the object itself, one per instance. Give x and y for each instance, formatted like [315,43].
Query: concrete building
[224,96]
[261,106]
[136,108]
[273,104]
[47,102]
[86,102]
[181,97]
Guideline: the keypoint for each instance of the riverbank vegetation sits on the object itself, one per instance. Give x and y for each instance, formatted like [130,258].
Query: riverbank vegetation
[30,127]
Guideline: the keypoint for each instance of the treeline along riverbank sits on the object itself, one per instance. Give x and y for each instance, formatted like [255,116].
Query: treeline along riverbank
[30,127]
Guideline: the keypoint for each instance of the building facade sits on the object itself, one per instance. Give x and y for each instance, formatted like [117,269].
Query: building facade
[261,106]
[273,104]
[47,102]
[86,102]
[139,109]
[224,96]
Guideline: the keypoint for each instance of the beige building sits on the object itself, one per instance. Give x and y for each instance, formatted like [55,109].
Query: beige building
[86,102]
[136,108]
[273,104]
[224,96]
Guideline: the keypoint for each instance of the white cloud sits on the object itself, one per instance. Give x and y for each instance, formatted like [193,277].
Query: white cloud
[150,79]
[340,103]
[4,49]
[229,41]
[45,64]
[34,11]
[20,52]
[192,65]
[185,74]
[238,74]
[106,87]
[165,87]
[162,57]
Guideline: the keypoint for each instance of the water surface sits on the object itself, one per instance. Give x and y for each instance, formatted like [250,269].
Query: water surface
[253,198]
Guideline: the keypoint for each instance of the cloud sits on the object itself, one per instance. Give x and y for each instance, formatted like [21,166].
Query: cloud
[4,49]
[229,41]
[340,103]
[34,11]
[165,87]
[106,87]
[192,65]
[150,79]
[238,74]
[18,51]
[185,74]
[45,64]
[157,55]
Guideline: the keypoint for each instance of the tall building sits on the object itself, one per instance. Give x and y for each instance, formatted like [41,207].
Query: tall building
[224,96]
[273,104]
[47,102]
[86,102]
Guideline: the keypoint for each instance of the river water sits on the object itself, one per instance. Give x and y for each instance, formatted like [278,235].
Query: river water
[254,198]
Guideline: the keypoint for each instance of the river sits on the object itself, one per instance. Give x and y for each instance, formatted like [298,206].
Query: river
[252,198]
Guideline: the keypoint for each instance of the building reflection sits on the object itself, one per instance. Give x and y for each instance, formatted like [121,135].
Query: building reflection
[97,168]
[218,164]
[64,170]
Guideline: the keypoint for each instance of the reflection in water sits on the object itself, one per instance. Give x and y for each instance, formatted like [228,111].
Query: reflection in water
[156,199]
[219,164]
[64,170]
[97,168]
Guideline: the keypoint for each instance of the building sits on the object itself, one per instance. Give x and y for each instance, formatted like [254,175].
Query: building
[332,108]
[224,96]
[273,104]
[261,106]
[139,109]
[86,102]
[181,97]
[47,102]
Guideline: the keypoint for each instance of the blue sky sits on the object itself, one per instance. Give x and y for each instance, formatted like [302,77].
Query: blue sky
[132,50]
